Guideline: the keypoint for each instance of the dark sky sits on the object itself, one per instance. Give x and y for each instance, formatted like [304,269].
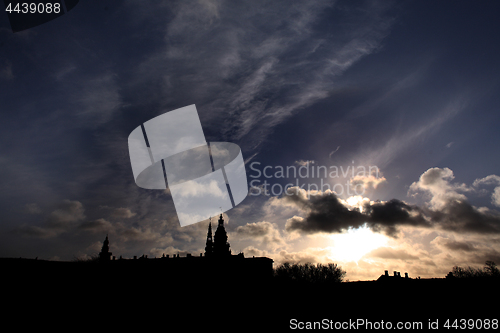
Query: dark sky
[410,88]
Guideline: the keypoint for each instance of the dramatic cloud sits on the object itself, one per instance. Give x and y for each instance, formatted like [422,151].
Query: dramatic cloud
[454,245]
[419,251]
[465,248]
[488,180]
[122,213]
[491,180]
[461,216]
[67,215]
[436,182]
[334,82]
[119,213]
[447,209]
[265,233]
[327,213]
[98,226]
[308,255]
[388,215]
[450,209]
[495,197]
[367,181]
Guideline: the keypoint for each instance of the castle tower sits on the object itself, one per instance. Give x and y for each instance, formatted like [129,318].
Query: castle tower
[221,245]
[105,255]
[209,247]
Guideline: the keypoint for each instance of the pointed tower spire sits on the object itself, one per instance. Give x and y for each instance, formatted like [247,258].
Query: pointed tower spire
[221,245]
[105,255]
[209,245]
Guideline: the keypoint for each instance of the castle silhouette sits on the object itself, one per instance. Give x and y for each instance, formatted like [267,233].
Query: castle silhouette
[215,263]
[219,247]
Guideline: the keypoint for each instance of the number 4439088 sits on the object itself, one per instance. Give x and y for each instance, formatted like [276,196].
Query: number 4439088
[32,8]
[472,324]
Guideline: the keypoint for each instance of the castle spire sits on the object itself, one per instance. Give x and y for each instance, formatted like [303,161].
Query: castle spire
[221,245]
[209,245]
[105,255]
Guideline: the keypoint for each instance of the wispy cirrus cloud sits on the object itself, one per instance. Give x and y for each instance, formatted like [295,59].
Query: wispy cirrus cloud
[385,153]
[98,99]
[249,75]
[6,71]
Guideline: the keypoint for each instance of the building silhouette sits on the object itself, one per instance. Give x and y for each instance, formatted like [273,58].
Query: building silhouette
[105,255]
[215,264]
[394,278]
[219,247]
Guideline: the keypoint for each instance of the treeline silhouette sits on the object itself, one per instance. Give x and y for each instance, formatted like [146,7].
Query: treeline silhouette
[489,271]
[309,273]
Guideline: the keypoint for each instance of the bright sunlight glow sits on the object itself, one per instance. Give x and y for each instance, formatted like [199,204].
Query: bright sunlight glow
[356,201]
[355,243]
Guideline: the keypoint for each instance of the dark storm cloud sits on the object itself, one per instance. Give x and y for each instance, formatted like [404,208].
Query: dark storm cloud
[448,210]
[326,213]
[459,246]
[394,212]
[448,206]
[461,216]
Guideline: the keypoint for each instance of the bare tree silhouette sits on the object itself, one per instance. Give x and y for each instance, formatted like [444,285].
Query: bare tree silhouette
[490,270]
[319,273]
